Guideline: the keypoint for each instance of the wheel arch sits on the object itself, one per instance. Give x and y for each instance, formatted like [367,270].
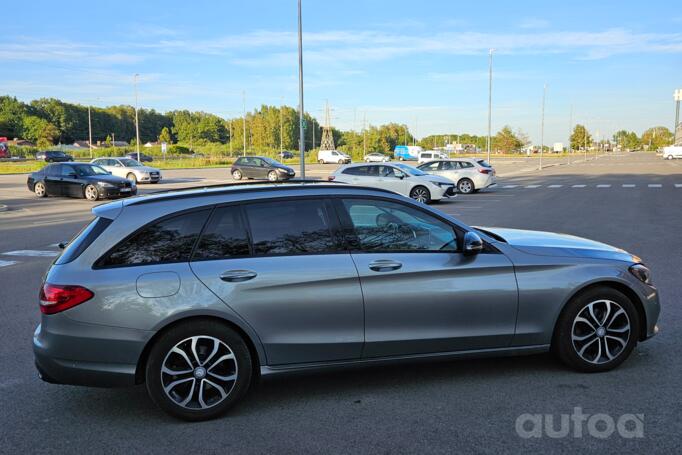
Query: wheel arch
[613,284]
[257,355]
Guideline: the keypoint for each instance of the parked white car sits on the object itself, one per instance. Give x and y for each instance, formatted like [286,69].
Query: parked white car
[469,174]
[376,158]
[130,169]
[397,177]
[673,151]
[430,155]
[332,156]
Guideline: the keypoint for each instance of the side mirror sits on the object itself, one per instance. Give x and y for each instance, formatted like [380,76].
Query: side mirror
[472,244]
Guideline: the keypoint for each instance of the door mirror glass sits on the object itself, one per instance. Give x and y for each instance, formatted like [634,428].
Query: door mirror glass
[472,244]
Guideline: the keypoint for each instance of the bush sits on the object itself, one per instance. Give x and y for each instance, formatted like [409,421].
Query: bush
[178,149]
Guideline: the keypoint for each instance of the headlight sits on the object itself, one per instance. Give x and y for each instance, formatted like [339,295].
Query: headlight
[106,185]
[443,184]
[642,273]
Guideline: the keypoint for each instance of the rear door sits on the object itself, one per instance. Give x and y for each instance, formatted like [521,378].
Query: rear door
[422,295]
[53,179]
[71,183]
[281,266]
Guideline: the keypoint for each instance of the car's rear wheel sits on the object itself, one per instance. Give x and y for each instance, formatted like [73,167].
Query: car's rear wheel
[597,330]
[421,194]
[465,186]
[320,161]
[198,370]
[237,174]
[91,193]
[272,176]
[131,176]
[39,189]
[670,157]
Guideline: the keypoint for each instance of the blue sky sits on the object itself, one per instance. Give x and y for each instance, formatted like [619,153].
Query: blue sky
[421,63]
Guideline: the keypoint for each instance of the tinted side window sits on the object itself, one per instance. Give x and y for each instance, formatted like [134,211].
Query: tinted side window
[240,161]
[67,170]
[388,226]
[54,170]
[433,166]
[225,236]
[290,227]
[465,164]
[169,240]
[360,170]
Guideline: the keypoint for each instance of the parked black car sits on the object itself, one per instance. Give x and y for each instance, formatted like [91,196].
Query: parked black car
[286,155]
[143,158]
[79,180]
[53,156]
[260,167]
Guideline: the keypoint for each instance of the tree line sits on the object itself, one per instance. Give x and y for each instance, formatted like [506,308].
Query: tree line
[47,121]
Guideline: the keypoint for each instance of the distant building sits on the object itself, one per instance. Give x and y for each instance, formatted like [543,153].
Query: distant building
[21,143]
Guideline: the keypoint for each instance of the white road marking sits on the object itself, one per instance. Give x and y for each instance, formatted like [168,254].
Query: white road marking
[35,223]
[603,186]
[678,185]
[629,185]
[6,263]
[32,253]
[554,186]
[578,186]
[654,185]
[533,186]
[510,186]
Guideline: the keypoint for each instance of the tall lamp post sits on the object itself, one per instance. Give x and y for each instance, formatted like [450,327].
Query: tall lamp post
[301,140]
[542,125]
[137,123]
[490,100]
[678,98]
[89,132]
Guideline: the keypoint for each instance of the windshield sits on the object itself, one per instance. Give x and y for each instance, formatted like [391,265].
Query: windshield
[483,163]
[83,170]
[409,169]
[127,162]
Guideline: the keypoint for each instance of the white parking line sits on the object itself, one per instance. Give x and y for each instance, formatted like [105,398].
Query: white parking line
[6,263]
[533,186]
[678,185]
[603,186]
[578,186]
[510,186]
[31,253]
[554,186]
[654,185]
[629,185]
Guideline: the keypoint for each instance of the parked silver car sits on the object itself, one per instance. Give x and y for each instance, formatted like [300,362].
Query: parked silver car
[196,293]
[129,169]
[469,174]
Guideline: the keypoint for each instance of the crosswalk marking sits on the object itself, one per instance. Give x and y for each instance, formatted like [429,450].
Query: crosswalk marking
[6,263]
[578,186]
[655,185]
[554,186]
[629,185]
[533,186]
[678,185]
[510,186]
[31,253]
[603,186]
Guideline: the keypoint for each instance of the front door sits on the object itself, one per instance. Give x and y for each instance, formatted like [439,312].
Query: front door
[53,179]
[422,295]
[287,275]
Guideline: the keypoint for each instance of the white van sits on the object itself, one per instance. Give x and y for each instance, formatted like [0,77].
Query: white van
[430,155]
[672,152]
[332,156]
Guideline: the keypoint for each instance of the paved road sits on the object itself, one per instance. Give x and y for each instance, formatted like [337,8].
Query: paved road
[633,201]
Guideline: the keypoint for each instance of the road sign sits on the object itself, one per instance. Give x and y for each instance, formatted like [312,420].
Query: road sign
[164,146]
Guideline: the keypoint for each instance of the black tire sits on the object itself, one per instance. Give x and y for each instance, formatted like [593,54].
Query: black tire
[91,193]
[465,186]
[320,161]
[39,189]
[421,194]
[566,349]
[168,340]
[342,161]
[237,174]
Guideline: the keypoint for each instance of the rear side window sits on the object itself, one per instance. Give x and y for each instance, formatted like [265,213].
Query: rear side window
[169,240]
[83,240]
[359,170]
[225,236]
[290,227]
[53,170]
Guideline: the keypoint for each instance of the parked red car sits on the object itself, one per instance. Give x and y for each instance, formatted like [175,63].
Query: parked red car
[4,148]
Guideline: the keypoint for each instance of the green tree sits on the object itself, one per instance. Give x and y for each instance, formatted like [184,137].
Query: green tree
[39,130]
[580,138]
[506,140]
[627,140]
[165,136]
[656,137]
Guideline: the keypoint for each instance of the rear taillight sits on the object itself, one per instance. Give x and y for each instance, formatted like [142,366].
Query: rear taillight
[56,298]
[484,171]
[331,178]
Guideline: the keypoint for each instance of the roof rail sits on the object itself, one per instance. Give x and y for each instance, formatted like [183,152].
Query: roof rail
[232,185]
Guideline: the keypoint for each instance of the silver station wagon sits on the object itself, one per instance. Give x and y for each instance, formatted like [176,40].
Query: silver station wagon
[197,293]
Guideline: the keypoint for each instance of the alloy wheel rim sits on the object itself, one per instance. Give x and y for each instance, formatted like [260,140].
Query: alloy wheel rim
[90,193]
[40,189]
[419,195]
[272,176]
[600,331]
[199,372]
[237,175]
[465,187]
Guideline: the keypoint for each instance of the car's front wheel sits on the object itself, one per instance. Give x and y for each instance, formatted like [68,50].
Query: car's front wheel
[39,189]
[597,330]
[237,174]
[198,370]
[421,194]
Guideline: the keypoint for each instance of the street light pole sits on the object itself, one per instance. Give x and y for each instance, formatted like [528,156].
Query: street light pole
[490,101]
[678,98]
[137,123]
[542,125]
[570,132]
[90,132]
[281,128]
[301,140]
[244,121]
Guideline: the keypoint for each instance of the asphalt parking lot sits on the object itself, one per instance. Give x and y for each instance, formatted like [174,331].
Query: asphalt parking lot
[631,201]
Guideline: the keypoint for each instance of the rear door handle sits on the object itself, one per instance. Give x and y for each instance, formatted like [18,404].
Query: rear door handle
[384,265]
[237,276]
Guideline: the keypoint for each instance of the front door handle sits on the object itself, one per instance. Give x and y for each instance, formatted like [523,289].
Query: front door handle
[237,276]
[385,265]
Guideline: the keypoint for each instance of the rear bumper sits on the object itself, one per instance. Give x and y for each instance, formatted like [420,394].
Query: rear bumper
[69,352]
